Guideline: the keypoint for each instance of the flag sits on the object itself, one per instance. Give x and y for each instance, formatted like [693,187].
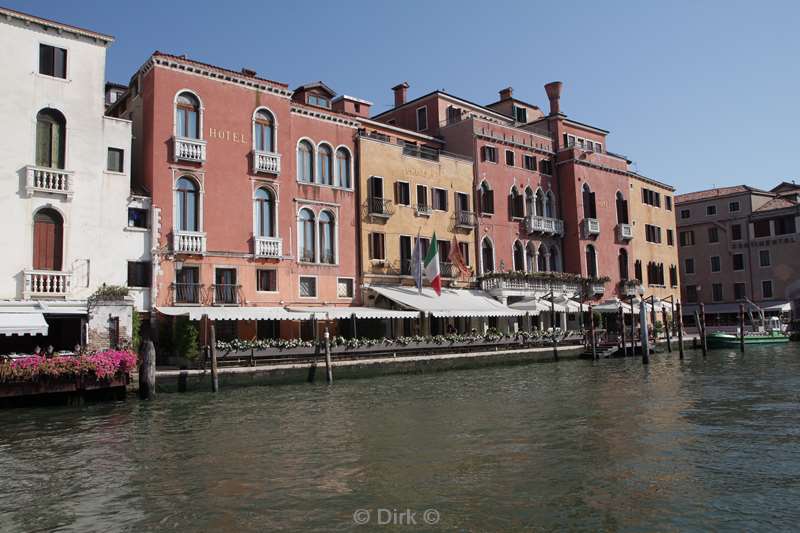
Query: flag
[416,264]
[432,266]
[457,259]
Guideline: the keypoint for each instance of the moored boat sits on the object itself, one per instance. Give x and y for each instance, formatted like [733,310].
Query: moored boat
[727,340]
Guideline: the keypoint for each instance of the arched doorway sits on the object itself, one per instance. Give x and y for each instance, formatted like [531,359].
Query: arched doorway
[48,240]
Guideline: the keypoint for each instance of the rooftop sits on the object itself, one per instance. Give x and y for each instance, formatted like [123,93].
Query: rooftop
[775,203]
[717,193]
[47,23]
[217,69]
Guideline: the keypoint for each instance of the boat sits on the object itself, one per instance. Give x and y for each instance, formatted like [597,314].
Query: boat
[719,339]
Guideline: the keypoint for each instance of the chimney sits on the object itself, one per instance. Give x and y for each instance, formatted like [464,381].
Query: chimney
[506,93]
[248,72]
[554,94]
[400,93]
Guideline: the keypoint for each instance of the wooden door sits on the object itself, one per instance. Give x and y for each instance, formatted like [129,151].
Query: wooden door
[47,240]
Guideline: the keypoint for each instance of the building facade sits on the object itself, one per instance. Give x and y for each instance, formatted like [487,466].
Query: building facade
[66,187]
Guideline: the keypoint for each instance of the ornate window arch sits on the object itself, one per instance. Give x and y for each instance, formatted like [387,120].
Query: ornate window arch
[327,237]
[265,212]
[518,254]
[591,261]
[589,207]
[344,170]
[324,164]
[188,115]
[550,205]
[306,235]
[530,205]
[51,138]
[541,258]
[530,256]
[622,208]
[188,204]
[623,264]
[555,259]
[305,161]
[485,198]
[265,130]
[487,255]
[540,201]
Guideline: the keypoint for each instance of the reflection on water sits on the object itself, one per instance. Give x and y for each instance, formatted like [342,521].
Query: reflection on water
[708,444]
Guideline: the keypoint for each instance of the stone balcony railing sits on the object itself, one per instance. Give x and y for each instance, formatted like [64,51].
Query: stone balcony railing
[193,150]
[48,180]
[466,219]
[597,288]
[591,226]
[631,288]
[539,285]
[189,242]
[46,283]
[269,247]
[266,162]
[624,232]
[546,225]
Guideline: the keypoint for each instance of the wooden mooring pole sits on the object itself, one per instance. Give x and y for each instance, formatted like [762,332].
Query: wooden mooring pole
[680,329]
[703,343]
[147,371]
[212,346]
[553,325]
[666,328]
[328,366]
[591,332]
[644,334]
[741,327]
[622,330]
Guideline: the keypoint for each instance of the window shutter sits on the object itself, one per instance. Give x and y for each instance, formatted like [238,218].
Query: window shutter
[489,202]
[43,149]
[397,198]
[371,246]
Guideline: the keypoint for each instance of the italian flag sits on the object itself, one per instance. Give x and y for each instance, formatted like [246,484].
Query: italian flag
[431,266]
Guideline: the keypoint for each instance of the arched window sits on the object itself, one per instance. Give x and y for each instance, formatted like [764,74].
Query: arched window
[555,265]
[265,213]
[529,202]
[622,209]
[542,259]
[264,131]
[515,205]
[306,233]
[550,205]
[487,256]
[530,256]
[589,209]
[188,203]
[327,227]
[623,264]
[51,130]
[305,162]
[343,167]
[519,257]
[48,239]
[485,198]
[187,116]
[325,165]
[637,270]
[540,203]
[591,261]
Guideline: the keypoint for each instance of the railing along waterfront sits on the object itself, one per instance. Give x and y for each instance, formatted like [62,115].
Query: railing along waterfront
[50,180]
[269,247]
[186,149]
[46,283]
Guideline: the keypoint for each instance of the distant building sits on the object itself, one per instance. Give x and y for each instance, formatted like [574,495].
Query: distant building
[739,243]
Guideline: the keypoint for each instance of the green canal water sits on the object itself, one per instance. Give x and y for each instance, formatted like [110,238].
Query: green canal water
[693,445]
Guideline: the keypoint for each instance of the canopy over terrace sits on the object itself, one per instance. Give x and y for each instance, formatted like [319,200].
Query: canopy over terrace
[452,302]
[235,313]
[733,307]
[23,323]
[340,313]
[535,305]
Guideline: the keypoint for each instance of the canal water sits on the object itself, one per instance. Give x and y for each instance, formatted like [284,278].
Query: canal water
[693,445]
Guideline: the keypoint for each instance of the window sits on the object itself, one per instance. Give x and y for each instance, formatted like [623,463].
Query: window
[226,291]
[529,162]
[422,197]
[318,100]
[670,238]
[463,247]
[687,238]
[668,202]
[510,158]
[623,263]
[637,270]
[490,154]
[51,128]
[739,291]
[308,287]
[651,197]
[763,258]
[713,235]
[673,276]
[402,193]
[187,116]
[691,294]
[187,285]
[267,280]
[589,207]
[137,218]
[655,274]
[733,206]
[766,289]
[716,292]
[376,246]
[188,200]
[715,263]
[463,205]
[306,233]
[324,165]
[265,213]
[685,213]
[487,256]
[344,288]
[422,119]
[622,209]
[113,332]
[652,233]
[738,262]
[546,167]
[139,274]
[518,256]
[784,225]
[114,161]
[711,210]
[761,228]
[439,199]
[486,199]
[52,61]
[405,255]
[520,114]
[343,167]
[736,232]
[591,261]
[688,265]
[327,236]
[264,131]
[305,162]
[516,204]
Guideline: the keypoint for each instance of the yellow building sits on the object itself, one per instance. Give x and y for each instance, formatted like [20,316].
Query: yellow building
[408,187]
[654,244]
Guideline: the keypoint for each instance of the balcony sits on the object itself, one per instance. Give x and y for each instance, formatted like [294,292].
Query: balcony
[631,287]
[46,283]
[597,288]
[624,232]
[226,294]
[189,242]
[379,207]
[266,162]
[499,284]
[422,210]
[269,247]
[591,226]
[545,225]
[193,150]
[48,180]
[466,219]
[186,293]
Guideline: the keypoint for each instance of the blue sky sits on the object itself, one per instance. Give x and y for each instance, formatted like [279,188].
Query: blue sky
[697,94]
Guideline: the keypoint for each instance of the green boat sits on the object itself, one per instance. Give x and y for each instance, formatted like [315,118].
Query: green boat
[729,340]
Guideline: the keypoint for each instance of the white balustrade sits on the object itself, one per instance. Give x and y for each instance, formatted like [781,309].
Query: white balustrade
[50,180]
[48,283]
[189,149]
[591,226]
[268,162]
[189,242]
[269,247]
[542,285]
[624,232]
[538,224]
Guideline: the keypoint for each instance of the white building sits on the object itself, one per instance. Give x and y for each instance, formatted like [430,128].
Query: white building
[64,190]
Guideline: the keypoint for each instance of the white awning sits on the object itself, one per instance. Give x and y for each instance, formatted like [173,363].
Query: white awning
[336,313]
[23,324]
[452,302]
[772,306]
[234,313]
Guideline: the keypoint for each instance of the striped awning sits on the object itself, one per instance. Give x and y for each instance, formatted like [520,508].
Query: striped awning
[234,313]
[451,303]
[337,313]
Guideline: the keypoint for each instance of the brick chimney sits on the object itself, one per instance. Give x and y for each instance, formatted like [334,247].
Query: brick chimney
[506,93]
[400,93]
[554,94]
